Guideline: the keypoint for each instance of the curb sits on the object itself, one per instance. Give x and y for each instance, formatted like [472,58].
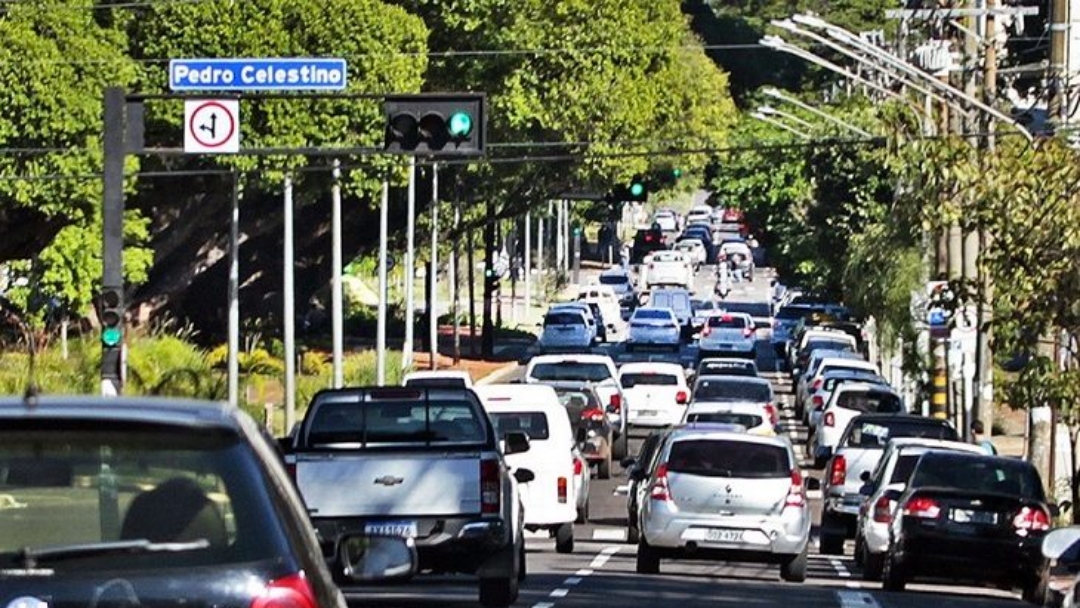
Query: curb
[496,375]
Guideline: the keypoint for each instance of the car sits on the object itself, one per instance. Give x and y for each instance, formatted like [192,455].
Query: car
[784,322]
[140,501]
[760,312]
[702,308]
[970,519]
[859,449]
[823,361]
[694,249]
[881,487]
[726,495]
[638,469]
[668,269]
[549,501]
[1061,550]
[620,282]
[728,334]
[646,241]
[727,366]
[678,300]
[458,378]
[593,431]
[592,316]
[848,401]
[699,213]
[750,416]
[815,340]
[658,392]
[666,220]
[739,251]
[757,393]
[565,330]
[651,326]
[602,299]
[822,387]
[600,370]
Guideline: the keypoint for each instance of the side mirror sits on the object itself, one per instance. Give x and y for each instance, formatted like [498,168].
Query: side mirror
[524,475]
[580,435]
[866,489]
[864,476]
[1055,510]
[813,484]
[377,558]
[515,442]
[628,462]
[285,445]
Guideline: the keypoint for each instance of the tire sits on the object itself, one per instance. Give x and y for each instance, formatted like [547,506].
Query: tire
[893,577]
[648,562]
[633,535]
[620,447]
[498,592]
[873,565]
[603,468]
[793,569]
[564,538]
[522,563]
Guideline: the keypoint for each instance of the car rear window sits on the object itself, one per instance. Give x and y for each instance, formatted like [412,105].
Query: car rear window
[727,369]
[813,345]
[876,434]
[789,313]
[533,424]
[577,371]
[754,309]
[650,379]
[732,321]
[436,382]
[870,402]
[722,389]
[978,474]
[723,458]
[830,383]
[613,279]
[650,314]
[563,318]
[72,483]
[348,423]
[905,464]
[747,420]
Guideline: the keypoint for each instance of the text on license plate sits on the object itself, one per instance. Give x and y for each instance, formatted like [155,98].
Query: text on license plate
[406,529]
[968,516]
[647,412]
[721,535]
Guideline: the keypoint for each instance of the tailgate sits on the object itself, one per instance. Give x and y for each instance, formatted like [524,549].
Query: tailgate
[858,460]
[392,483]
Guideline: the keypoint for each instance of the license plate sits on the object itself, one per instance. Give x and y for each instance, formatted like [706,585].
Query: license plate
[404,529]
[726,345]
[721,535]
[647,412]
[968,516]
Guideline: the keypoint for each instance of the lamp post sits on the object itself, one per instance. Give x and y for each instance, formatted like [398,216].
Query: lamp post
[774,122]
[771,111]
[776,94]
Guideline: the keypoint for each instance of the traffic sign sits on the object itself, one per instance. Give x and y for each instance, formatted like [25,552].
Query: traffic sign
[212,126]
[282,74]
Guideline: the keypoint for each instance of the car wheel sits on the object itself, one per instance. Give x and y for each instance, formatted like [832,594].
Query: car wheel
[648,562]
[873,565]
[583,513]
[564,538]
[633,535]
[498,592]
[522,567]
[892,575]
[794,568]
[618,448]
[603,468]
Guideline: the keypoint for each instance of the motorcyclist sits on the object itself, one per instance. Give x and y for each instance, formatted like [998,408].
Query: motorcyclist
[723,282]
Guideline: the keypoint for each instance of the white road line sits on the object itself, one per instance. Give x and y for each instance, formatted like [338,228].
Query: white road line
[559,592]
[603,557]
[856,599]
[609,534]
[841,570]
[573,580]
[543,605]
[584,572]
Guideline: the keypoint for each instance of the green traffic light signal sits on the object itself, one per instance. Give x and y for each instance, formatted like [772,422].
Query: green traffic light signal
[111,336]
[637,189]
[460,124]
[676,173]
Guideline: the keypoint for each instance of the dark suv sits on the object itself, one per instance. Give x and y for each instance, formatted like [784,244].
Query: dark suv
[150,502]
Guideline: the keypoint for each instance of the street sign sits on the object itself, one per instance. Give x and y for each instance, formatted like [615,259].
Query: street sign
[266,74]
[212,126]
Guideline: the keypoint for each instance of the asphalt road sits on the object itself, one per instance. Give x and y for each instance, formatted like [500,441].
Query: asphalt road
[601,571]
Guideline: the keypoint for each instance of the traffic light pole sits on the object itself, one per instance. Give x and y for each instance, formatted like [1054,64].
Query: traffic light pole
[410,270]
[487,333]
[380,327]
[433,277]
[112,358]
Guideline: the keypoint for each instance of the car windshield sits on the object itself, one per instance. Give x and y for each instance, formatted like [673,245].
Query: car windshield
[978,474]
[648,378]
[728,321]
[571,370]
[747,420]
[533,424]
[724,458]
[870,402]
[66,483]
[614,279]
[723,389]
[345,422]
[875,434]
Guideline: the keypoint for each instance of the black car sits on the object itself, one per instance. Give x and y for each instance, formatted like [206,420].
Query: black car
[646,241]
[970,518]
[638,470]
[593,432]
[150,502]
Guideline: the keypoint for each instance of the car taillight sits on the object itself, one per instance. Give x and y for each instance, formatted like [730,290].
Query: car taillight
[817,384]
[747,332]
[830,419]
[838,470]
[770,411]
[651,266]
[682,397]
[616,403]
[490,490]
[883,510]
[922,507]
[706,331]
[561,489]
[817,401]
[579,466]
[292,591]
[796,496]
[593,414]
[660,490]
[1031,519]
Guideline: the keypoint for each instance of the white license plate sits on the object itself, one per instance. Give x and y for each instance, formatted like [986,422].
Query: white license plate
[721,535]
[404,529]
[968,516]
[647,412]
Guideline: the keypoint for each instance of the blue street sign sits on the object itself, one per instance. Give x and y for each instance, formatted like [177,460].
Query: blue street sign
[935,316]
[288,74]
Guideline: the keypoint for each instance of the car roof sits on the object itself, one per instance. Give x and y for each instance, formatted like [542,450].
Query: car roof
[689,432]
[571,357]
[865,386]
[517,397]
[918,443]
[179,412]
[899,417]
[730,378]
[652,367]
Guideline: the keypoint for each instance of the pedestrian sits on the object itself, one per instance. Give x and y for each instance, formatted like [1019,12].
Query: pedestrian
[979,438]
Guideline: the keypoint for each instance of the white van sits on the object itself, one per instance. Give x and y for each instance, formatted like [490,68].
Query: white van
[550,499]
[657,390]
[457,378]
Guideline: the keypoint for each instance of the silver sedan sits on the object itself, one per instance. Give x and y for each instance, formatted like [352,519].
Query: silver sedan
[654,327]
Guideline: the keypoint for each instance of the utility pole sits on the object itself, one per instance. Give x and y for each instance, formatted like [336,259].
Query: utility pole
[984,385]
[410,269]
[1059,32]
[455,292]
[289,307]
[487,333]
[433,278]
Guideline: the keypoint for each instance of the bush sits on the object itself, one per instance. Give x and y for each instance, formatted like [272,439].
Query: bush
[169,366]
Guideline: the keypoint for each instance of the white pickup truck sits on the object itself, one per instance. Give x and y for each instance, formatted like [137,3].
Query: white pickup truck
[418,462]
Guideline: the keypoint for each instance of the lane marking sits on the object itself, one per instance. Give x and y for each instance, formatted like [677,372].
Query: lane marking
[573,580]
[584,572]
[856,599]
[841,570]
[543,605]
[559,593]
[603,557]
[609,534]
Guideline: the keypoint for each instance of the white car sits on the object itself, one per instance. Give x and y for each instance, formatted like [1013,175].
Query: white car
[565,329]
[728,333]
[827,360]
[751,416]
[651,326]
[550,499]
[668,268]
[699,213]
[657,390]
[457,378]
[599,370]
[590,318]
[695,250]
[847,402]
[605,297]
[729,391]
[666,220]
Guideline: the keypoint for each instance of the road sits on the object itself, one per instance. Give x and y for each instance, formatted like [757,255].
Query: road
[601,571]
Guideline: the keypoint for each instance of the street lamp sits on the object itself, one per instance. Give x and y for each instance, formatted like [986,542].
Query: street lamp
[776,94]
[774,122]
[771,111]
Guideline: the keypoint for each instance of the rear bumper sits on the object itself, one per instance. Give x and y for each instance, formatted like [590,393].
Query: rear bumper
[875,537]
[661,417]
[685,534]
[933,555]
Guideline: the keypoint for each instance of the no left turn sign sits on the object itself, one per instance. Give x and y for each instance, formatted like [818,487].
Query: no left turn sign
[212,126]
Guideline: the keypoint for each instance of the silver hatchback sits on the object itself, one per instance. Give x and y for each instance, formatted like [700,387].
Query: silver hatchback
[726,496]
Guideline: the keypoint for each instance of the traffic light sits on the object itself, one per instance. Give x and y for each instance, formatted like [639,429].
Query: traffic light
[436,124]
[638,189]
[492,279]
[112,317]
